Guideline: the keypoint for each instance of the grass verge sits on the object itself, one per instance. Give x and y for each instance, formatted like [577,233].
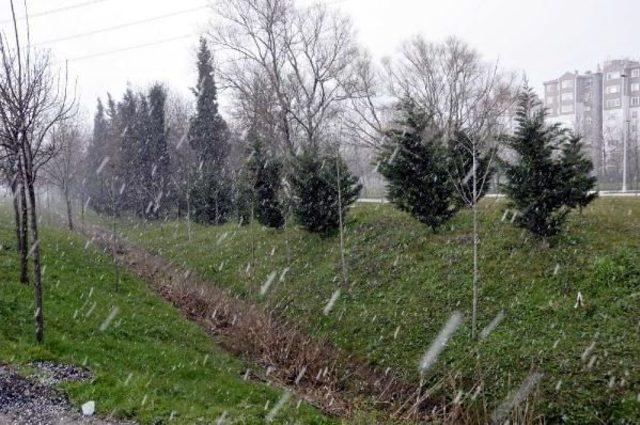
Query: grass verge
[406,282]
[150,364]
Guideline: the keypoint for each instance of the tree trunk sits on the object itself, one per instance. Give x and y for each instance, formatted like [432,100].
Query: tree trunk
[69,213]
[16,213]
[345,275]
[37,268]
[24,236]
[474,311]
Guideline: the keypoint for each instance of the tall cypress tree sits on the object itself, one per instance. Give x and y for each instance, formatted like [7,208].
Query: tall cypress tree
[414,163]
[156,156]
[96,154]
[208,132]
[536,184]
[211,190]
[579,178]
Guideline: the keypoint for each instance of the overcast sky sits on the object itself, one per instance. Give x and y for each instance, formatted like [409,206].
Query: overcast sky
[543,38]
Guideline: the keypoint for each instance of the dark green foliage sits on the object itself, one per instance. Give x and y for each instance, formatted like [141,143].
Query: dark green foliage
[212,191]
[536,184]
[579,177]
[96,152]
[243,197]
[208,132]
[414,163]
[154,154]
[266,177]
[315,185]
[461,168]
[211,195]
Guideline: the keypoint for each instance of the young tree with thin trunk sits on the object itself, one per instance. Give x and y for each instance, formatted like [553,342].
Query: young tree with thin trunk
[34,99]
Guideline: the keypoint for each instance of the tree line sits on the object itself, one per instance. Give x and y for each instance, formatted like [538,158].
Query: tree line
[440,121]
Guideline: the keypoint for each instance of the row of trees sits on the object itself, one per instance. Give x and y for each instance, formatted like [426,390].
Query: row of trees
[34,100]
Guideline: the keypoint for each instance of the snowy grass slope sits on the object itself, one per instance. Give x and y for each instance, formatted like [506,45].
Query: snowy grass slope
[149,363]
[406,282]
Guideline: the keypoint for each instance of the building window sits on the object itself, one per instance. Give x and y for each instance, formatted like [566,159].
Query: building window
[613,89]
[613,103]
[567,96]
[613,75]
[587,108]
[635,87]
[567,109]
[635,73]
[567,84]
[635,101]
[551,87]
[550,101]
[634,114]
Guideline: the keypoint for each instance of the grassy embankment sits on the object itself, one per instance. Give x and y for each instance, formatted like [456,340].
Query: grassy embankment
[150,364]
[406,282]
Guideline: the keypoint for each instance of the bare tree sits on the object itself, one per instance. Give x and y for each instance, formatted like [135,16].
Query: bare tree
[34,99]
[286,65]
[63,171]
[253,34]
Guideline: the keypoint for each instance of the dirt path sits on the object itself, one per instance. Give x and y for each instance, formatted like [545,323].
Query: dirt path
[35,401]
[318,372]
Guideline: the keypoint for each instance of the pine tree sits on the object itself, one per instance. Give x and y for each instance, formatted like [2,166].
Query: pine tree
[536,186]
[156,156]
[212,191]
[211,194]
[414,163]
[266,177]
[579,179]
[97,152]
[208,132]
[323,188]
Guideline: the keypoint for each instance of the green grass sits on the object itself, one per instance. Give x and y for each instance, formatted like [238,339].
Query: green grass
[408,280]
[149,363]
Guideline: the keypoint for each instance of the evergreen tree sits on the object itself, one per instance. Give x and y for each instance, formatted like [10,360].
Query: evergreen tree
[317,181]
[579,178]
[244,196]
[212,192]
[208,132]
[155,165]
[266,176]
[128,131]
[96,153]
[536,186]
[414,163]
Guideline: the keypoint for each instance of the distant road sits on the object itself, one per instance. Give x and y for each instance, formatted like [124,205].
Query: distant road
[603,194]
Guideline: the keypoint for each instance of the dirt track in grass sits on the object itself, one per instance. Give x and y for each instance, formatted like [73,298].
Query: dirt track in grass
[323,375]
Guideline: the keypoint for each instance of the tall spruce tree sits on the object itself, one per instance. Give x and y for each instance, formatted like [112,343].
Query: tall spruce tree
[208,132]
[266,178]
[211,191]
[536,185]
[414,160]
[323,189]
[155,166]
[97,152]
[579,178]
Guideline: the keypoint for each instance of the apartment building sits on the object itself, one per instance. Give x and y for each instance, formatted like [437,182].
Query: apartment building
[603,106]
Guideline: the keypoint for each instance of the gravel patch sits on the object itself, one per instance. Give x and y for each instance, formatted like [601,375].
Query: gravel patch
[34,401]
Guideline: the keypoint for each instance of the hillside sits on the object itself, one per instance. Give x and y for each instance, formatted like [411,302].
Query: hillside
[407,281]
[149,364]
